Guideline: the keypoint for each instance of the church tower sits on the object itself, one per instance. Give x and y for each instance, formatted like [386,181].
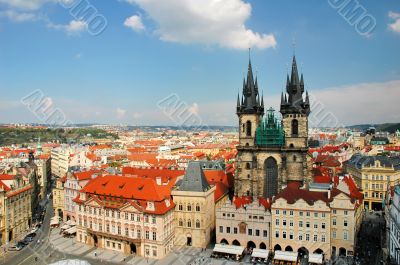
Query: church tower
[295,110]
[271,152]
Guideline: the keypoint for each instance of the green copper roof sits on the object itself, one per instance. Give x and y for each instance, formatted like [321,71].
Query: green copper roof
[270,132]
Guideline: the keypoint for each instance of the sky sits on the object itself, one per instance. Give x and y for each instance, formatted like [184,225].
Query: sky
[182,62]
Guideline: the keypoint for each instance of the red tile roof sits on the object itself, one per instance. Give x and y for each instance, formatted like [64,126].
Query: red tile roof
[85,175]
[293,193]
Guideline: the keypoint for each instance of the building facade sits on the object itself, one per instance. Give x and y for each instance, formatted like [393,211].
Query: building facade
[394,226]
[244,221]
[58,197]
[374,175]
[271,152]
[15,207]
[195,208]
[126,214]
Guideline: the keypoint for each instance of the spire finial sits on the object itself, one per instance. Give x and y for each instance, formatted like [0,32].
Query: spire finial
[294,46]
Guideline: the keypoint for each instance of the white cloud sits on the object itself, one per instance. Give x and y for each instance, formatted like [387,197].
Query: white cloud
[18,16]
[206,22]
[355,104]
[25,4]
[120,113]
[74,27]
[135,23]
[395,25]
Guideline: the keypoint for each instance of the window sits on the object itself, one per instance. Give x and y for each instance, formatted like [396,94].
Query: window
[197,224]
[126,231]
[277,234]
[153,219]
[147,234]
[139,233]
[323,225]
[291,223]
[197,208]
[284,222]
[300,237]
[308,224]
[189,223]
[108,228]
[277,211]
[301,213]
[291,235]
[180,207]
[250,232]
[323,215]
[137,218]
[323,238]
[308,213]
[257,232]
[277,222]
[221,229]
[334,221]
[284,212]
[154,252]
[295,127]
[346,212]
[333,234]
[345,235]
[307,237]
[265,233]
[300,223]
[315,225]
[154,236]
[228,230]
[235,230]
[315,214]
[291,213]
[334,211]
[284,234]
[119,230]
[189,208]
[345,222]
[248,128]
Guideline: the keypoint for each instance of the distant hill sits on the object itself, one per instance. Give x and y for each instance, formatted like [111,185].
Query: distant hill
[387,127]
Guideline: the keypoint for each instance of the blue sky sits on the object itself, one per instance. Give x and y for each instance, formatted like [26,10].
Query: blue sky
[152,49]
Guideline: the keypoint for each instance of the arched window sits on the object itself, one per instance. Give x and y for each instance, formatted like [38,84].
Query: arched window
[271,177]
[180,207]
[248,128]
[197,224]
[294,158]
[189,208]
[189,223]
[295,127]
[244,128]
[197,207]
[247,165]
[180,222]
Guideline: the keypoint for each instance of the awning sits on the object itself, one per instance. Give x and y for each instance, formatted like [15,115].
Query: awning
[315,258]
[260,253]
[71,223]
[54,222]
[285,255]
[65,227]
[71,262]
[228,249]
[71,230]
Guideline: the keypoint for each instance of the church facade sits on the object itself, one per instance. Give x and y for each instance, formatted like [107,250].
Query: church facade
[271,152]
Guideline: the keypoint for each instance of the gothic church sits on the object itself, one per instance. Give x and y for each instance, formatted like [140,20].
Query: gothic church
[271,152]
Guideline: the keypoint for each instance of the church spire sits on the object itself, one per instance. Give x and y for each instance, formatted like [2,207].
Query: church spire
[251,98]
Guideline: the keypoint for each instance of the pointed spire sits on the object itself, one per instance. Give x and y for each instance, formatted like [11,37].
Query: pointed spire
[238,102]
[302,83]
[262,100]
[282,99]
[307,99]
[294,80]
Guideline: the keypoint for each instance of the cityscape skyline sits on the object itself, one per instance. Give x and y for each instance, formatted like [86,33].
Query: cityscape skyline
[108,77]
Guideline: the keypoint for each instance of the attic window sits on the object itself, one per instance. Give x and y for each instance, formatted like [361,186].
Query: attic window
[141,187]
[121,186]
[104,184]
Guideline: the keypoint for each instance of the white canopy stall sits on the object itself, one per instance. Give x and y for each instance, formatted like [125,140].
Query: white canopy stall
[286,256]
[260,253]
[71,262]
[71,230]
[54,221]
[228,249]
[315,258]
